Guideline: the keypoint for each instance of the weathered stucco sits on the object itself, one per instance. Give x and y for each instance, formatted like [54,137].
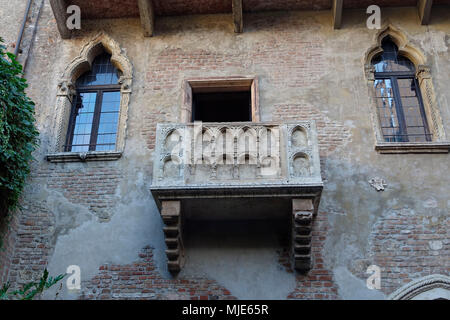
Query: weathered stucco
[306,70]
[12,16]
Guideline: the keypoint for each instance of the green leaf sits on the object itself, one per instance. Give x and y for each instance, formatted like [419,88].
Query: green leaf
[18,133]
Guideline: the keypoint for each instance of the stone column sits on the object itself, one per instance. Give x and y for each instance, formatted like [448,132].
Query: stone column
[66,92]
[435,123]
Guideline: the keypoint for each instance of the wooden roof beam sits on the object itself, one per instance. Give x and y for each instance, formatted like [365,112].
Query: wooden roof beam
[147,14]
[337,13]
[238,16]
[59,8]
[424,7]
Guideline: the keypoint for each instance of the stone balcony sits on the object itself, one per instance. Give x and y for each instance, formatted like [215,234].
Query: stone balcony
[241,170]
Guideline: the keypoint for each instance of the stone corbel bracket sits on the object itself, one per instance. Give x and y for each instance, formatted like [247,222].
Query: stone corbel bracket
[302,219]
[171,215]
[66,88]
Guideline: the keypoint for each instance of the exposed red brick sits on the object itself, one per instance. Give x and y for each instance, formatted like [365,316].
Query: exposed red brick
[400,247]
[331,134]
[318,283]
[141,280]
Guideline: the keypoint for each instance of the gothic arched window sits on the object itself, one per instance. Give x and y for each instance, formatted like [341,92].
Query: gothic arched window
[95,109]
[398,97]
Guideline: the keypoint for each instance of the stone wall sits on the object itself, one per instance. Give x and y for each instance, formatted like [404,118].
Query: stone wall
[12,16]
[101,215]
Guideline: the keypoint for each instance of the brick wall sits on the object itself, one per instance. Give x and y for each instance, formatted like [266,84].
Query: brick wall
[8,230]
[272,59]
[148,132]
[318,284]
[93,185]
[277,57]
[30,243]
[331,134]
[402,243]
[140,280]
[28,240]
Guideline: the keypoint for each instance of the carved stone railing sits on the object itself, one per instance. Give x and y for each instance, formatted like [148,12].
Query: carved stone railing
[208,154]
[232,161]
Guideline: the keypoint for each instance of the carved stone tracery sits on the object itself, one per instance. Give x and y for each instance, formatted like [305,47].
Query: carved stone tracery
[66,88]
[417,287]
[424,77]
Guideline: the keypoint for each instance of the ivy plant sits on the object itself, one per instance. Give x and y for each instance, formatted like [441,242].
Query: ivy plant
[31,289]
[18,134]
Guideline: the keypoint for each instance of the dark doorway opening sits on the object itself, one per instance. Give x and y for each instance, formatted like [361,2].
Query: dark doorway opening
[222,106]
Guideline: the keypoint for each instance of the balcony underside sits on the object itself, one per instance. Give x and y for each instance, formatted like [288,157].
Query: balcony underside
[237,202]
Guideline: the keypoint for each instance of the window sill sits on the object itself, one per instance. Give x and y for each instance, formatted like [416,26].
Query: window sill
[84,156]
[413,147]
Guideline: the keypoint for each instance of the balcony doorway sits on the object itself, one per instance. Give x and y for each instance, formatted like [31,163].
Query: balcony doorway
[222,106]
[229,99]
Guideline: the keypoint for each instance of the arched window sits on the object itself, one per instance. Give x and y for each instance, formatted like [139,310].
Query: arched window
[432,287]
[398,97]
[95,109]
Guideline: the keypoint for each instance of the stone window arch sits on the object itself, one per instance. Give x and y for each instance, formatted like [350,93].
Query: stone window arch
[434,135]
[66,93]
[433,287]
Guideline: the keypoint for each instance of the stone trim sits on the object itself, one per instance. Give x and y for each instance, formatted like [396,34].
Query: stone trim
[416,287]
[402,42]
[413,147]
[66,89]
[423,74]
[83,156]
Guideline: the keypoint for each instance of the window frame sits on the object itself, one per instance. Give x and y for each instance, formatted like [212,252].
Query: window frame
[423,76]
[99,90]
[219,84]
[66,90]
[394,76]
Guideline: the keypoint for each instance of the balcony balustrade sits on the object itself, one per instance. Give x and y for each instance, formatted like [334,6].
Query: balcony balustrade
[238,170]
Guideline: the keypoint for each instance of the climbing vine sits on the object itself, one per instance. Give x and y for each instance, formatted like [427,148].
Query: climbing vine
[18,134]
